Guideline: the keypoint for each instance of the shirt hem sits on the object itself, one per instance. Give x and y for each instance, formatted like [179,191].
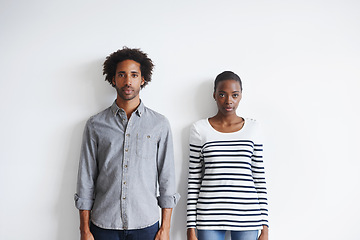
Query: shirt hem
[122,228]
[227,228]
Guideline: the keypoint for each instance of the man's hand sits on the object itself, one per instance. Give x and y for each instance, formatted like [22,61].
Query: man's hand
[164,231]
[163,234]
[86,236]
[85,233]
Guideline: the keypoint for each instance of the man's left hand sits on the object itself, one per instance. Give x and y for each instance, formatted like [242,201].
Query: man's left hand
[162,234]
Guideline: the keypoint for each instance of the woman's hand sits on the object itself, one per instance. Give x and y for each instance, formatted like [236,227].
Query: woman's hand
[191,235]
[264,235]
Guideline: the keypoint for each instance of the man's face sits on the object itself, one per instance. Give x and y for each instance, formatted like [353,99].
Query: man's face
[128,80]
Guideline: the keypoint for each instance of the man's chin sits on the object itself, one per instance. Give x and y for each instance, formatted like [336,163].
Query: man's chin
[127,97]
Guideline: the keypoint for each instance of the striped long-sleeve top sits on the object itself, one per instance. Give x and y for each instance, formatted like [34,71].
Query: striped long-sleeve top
[226,185]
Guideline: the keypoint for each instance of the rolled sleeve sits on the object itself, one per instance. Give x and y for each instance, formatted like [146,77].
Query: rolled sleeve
[168,201]
[84,197]
[166,171]
[83,203]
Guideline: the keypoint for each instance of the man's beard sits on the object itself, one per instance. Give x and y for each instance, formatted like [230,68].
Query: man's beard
[121,93]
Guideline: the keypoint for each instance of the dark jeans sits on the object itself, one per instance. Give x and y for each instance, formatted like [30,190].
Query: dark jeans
[147,233]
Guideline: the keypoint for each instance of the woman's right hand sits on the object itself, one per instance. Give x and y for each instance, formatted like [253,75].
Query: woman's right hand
[191,235]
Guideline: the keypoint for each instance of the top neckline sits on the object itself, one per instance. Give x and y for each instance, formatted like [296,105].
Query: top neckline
[208,123]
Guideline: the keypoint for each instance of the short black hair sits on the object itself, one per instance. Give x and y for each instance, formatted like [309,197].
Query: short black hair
[135,54]
[227,75]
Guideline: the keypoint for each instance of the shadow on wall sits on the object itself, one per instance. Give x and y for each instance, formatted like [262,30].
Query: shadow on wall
[204,106]
[68,221]
[94,96]
[178,226]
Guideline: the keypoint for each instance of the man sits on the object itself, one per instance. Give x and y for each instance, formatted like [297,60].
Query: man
[126,166]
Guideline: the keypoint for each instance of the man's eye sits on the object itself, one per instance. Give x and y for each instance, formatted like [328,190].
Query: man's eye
[134,75]
[235,95]
[221,95]
[121,75]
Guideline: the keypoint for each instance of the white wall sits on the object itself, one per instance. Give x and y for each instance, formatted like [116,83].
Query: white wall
[299,62]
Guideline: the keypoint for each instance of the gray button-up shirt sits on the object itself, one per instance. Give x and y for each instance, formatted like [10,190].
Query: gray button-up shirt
[126,168]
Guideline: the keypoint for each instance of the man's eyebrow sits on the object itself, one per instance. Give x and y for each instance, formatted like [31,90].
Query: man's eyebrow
[134,71]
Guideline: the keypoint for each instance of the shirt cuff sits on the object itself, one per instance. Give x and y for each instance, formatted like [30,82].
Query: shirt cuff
[168,201]
[83,203]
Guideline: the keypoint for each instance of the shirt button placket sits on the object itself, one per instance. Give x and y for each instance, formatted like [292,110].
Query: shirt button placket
[124,187]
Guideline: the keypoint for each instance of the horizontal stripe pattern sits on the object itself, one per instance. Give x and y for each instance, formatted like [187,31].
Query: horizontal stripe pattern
[226,183]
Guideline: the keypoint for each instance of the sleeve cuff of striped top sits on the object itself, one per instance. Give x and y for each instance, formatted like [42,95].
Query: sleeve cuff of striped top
[168,201]
[83,203]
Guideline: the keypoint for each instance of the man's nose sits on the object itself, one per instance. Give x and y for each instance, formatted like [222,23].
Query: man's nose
[128,80]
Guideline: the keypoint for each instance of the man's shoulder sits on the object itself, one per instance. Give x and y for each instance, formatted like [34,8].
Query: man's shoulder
[100,116]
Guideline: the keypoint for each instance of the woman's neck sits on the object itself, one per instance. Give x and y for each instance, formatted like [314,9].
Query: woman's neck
[227,119]
[223,123]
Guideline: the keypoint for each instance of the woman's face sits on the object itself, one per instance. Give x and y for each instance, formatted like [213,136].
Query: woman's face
[227,96]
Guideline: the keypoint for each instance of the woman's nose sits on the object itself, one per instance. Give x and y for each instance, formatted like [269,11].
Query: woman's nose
[228,100]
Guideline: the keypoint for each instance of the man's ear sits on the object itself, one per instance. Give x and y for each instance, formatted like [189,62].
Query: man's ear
[142,81]
[113,81]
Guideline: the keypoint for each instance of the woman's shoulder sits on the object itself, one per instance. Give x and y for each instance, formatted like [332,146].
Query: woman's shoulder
[200,123]
[252,127]
[251,121]
[201,126]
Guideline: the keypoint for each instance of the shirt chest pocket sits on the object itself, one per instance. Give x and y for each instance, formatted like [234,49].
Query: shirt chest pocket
[146,145]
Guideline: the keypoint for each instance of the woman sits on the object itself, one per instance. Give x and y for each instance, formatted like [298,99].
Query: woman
[226,186]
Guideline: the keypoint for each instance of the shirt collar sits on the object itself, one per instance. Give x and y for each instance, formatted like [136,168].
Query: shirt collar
[139,110]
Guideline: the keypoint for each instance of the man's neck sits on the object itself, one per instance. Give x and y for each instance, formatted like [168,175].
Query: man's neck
[129,106]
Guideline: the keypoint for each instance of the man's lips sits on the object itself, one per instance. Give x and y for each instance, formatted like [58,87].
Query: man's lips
[127,90]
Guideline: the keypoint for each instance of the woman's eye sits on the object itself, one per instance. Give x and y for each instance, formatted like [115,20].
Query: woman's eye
[235,95]
[221,95]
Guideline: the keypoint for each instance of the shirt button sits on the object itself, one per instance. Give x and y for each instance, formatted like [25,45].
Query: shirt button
[124,198]
[124,183]
[128,135]
[126,150]
[125,166]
